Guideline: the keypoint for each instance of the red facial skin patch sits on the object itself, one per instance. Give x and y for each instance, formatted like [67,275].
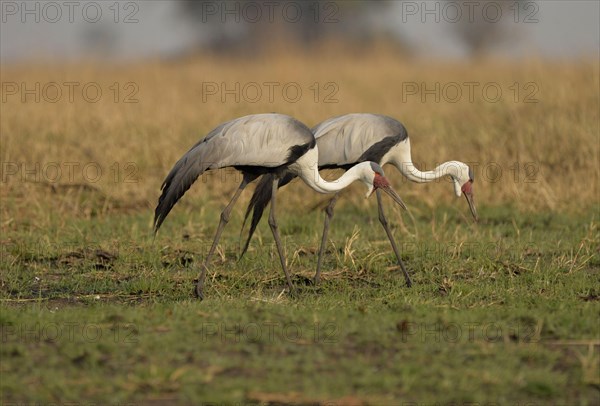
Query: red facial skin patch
[380,181]
[467,188]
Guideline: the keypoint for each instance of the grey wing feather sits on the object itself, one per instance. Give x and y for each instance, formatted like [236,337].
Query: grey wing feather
[351,138]
[264,140]
[342,141]
[181,177]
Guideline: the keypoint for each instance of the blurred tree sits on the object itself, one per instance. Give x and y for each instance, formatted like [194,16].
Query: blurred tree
[485,24]
[100,39]
[225,26]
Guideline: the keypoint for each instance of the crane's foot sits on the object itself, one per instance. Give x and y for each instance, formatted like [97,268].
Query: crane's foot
[407,278]
[199,290]
[316,280]
[293,292]
[404,272]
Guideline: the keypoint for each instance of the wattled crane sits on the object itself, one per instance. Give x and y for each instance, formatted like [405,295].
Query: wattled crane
[260,144]
[347,140]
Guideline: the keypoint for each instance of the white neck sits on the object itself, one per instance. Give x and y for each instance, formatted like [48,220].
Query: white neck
[403,161]
[409,170]
[306,167]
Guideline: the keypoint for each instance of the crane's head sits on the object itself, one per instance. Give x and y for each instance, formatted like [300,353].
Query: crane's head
[375,179]
[463,178]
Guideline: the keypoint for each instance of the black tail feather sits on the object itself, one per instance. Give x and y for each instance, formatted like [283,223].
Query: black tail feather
[260,200]
[178,181]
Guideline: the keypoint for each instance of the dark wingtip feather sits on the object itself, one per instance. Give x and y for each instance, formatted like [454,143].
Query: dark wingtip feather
[177,182]
[158,220]
[163,207]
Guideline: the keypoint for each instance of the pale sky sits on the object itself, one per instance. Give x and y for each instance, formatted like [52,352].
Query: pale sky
[154,28]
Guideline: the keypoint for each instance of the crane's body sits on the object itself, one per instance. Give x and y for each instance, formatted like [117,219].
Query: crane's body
[347,140]
[259,144]
[253,144]
[352,138]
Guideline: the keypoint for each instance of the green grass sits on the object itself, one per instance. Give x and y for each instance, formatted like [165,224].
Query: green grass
[504,311]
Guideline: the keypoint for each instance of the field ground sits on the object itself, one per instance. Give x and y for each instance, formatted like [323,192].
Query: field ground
[503,311]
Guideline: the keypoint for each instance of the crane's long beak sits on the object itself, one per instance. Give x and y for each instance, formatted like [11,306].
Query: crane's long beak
[392,193]
[469,197]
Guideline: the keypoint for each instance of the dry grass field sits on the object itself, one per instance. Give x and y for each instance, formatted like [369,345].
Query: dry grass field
[534,146]
[80,178]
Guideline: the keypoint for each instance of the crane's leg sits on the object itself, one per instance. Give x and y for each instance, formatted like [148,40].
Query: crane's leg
[224,220]
[384,223]
[274,228]
[328,217]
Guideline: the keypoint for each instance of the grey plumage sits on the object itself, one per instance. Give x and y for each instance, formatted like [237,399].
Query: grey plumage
[352,138]
[254,144]
[262,144]
[343,141]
